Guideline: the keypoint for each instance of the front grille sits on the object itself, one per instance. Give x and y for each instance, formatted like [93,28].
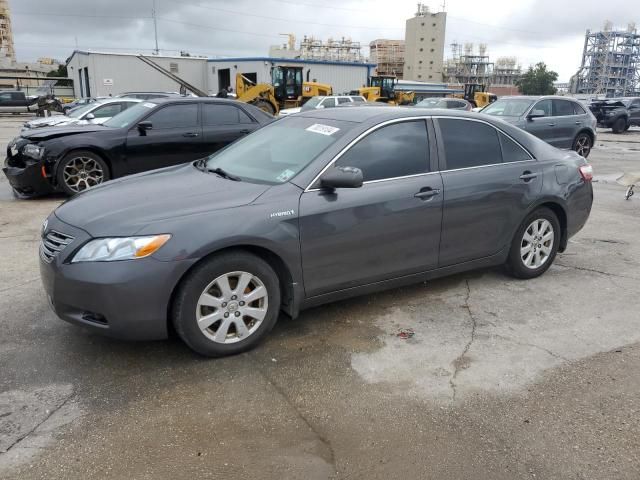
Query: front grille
[52,244]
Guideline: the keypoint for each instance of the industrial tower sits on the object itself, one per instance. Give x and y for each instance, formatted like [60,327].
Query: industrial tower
[7,53]
[610,63]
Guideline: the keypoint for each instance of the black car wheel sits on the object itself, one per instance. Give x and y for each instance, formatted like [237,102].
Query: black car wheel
[227,305]
[535,244]
[619,125]
[80,170]
[627,127]
[582,144]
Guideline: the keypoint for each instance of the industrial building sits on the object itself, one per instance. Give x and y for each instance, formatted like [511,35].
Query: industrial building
[610,63]
[388,55]
[7,51]
[424,45]
[311,48]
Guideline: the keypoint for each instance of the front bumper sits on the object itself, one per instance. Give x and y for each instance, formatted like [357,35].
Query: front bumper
[26,176]
[124,299]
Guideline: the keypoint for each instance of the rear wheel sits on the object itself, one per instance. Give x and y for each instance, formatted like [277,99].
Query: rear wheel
[619,125]
[582,144]
[227,305]
[80,170]
[535,244]
[265,106]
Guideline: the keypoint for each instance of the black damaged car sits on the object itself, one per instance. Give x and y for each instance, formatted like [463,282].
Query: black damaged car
[153,134]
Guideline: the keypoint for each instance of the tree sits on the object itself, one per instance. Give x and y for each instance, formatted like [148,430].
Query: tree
[61,71]
[538,81]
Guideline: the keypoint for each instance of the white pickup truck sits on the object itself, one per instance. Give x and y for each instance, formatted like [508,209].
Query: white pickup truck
[12,101]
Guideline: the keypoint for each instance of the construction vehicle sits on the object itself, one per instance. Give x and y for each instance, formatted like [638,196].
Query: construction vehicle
[476,95]
[382,88]
[287,89]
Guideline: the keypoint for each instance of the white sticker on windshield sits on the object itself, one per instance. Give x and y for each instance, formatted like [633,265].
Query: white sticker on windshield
[285,175]
[322,129]
[149,105]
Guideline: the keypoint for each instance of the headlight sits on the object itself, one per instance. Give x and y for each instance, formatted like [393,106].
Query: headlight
[33,151]
[120,248]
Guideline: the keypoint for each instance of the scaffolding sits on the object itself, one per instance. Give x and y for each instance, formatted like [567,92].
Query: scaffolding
[7,52]
[610,63]
[343,50]
[467,67]
[388,55]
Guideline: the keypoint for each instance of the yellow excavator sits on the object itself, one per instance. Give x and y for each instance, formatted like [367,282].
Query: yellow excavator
[287,89]
[476,95]
[382,88]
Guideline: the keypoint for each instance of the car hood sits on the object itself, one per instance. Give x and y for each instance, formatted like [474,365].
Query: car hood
[127,205]
[61,131]
[49,121]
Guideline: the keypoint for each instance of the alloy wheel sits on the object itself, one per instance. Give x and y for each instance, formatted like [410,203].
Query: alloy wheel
[583,145]
[232,307]
[82,173]
[537,243]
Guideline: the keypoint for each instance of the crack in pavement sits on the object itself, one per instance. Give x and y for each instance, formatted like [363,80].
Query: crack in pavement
[458,362]
[44,420]
[593,270]
[533,345]
[289,402]
[19,285]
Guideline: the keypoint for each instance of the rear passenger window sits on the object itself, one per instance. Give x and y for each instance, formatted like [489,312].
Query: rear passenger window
[577,109]
[469,144]
[216,114]
[511,151]
[397,150]
[562,108]
[357,99]
[343,100]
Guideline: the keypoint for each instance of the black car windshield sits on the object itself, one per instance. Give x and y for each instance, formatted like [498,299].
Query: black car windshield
[130,115]
[278,152]
[508,108]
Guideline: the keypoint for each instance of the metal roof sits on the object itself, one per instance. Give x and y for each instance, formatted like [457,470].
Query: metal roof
[291,60]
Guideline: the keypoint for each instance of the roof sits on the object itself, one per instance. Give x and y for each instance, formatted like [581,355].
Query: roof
[365,113]
[291,60]
[538,97]
[127,54]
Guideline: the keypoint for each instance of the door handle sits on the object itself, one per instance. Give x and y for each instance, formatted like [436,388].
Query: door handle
[427,193]
[245,131]
[551,124]
[528,176]
[190,134]
[578,123]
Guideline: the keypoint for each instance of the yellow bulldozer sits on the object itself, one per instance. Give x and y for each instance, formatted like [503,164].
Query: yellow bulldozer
[476,95]
[382,88]
[287,89]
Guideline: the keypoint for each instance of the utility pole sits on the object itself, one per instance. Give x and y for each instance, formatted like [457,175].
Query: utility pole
[155,27]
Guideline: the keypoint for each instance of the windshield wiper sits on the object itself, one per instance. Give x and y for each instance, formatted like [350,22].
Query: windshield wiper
[223,174]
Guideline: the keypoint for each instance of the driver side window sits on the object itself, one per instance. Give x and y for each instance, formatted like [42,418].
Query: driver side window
[543,105]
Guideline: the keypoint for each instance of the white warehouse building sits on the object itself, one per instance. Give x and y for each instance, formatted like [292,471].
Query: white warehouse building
[342,76]
[104,73]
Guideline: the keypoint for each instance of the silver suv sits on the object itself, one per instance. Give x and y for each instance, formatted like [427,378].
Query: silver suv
[561,121]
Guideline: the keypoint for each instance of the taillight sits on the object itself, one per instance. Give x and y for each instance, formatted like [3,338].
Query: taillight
[586,172]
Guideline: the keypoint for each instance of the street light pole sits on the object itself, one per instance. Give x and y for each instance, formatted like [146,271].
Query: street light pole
[155,27]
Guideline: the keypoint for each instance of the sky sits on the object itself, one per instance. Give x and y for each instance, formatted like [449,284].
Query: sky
[551,31]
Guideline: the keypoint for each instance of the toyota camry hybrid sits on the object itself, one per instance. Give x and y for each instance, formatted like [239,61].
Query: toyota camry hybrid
[312,208]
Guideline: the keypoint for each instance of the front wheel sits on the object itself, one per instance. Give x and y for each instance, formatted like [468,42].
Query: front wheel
[535,244]
[619,125]
[80,170]
[265,106]
[227,305]
[582,144]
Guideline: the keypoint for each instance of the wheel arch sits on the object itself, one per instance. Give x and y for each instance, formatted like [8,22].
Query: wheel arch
[289,302]
[588,132]
[89,148]
[560,212]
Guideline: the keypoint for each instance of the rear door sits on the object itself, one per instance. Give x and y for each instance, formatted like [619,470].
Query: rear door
[567,123]
[223,123]
[175,137]
[389,227]
[489,181]
[543,127]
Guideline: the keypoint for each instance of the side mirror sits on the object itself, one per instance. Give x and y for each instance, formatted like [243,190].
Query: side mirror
[536,114]
[342,177]
[89,116]
[144,126]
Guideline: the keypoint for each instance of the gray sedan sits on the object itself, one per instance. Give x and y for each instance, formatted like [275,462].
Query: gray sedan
[313,208]
[561,121]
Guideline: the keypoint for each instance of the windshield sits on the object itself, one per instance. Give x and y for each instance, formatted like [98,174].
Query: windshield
[278,152]
[79,111]
[311,104]
[432,103]
[508,108]
[130,115]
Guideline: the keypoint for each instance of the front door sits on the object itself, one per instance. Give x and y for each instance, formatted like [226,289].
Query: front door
[543,127]
[175,137]
[387,228]
[489,181]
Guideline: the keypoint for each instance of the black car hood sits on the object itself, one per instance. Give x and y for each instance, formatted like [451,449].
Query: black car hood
[53,132]
[125,206]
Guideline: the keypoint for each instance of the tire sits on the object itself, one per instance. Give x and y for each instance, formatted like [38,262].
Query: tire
[80,170]
[582,144]
[627,127]
[200,299]
[265,106]
[619,125]
[521,265]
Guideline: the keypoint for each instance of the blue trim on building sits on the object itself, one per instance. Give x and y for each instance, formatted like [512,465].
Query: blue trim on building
[291,60]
